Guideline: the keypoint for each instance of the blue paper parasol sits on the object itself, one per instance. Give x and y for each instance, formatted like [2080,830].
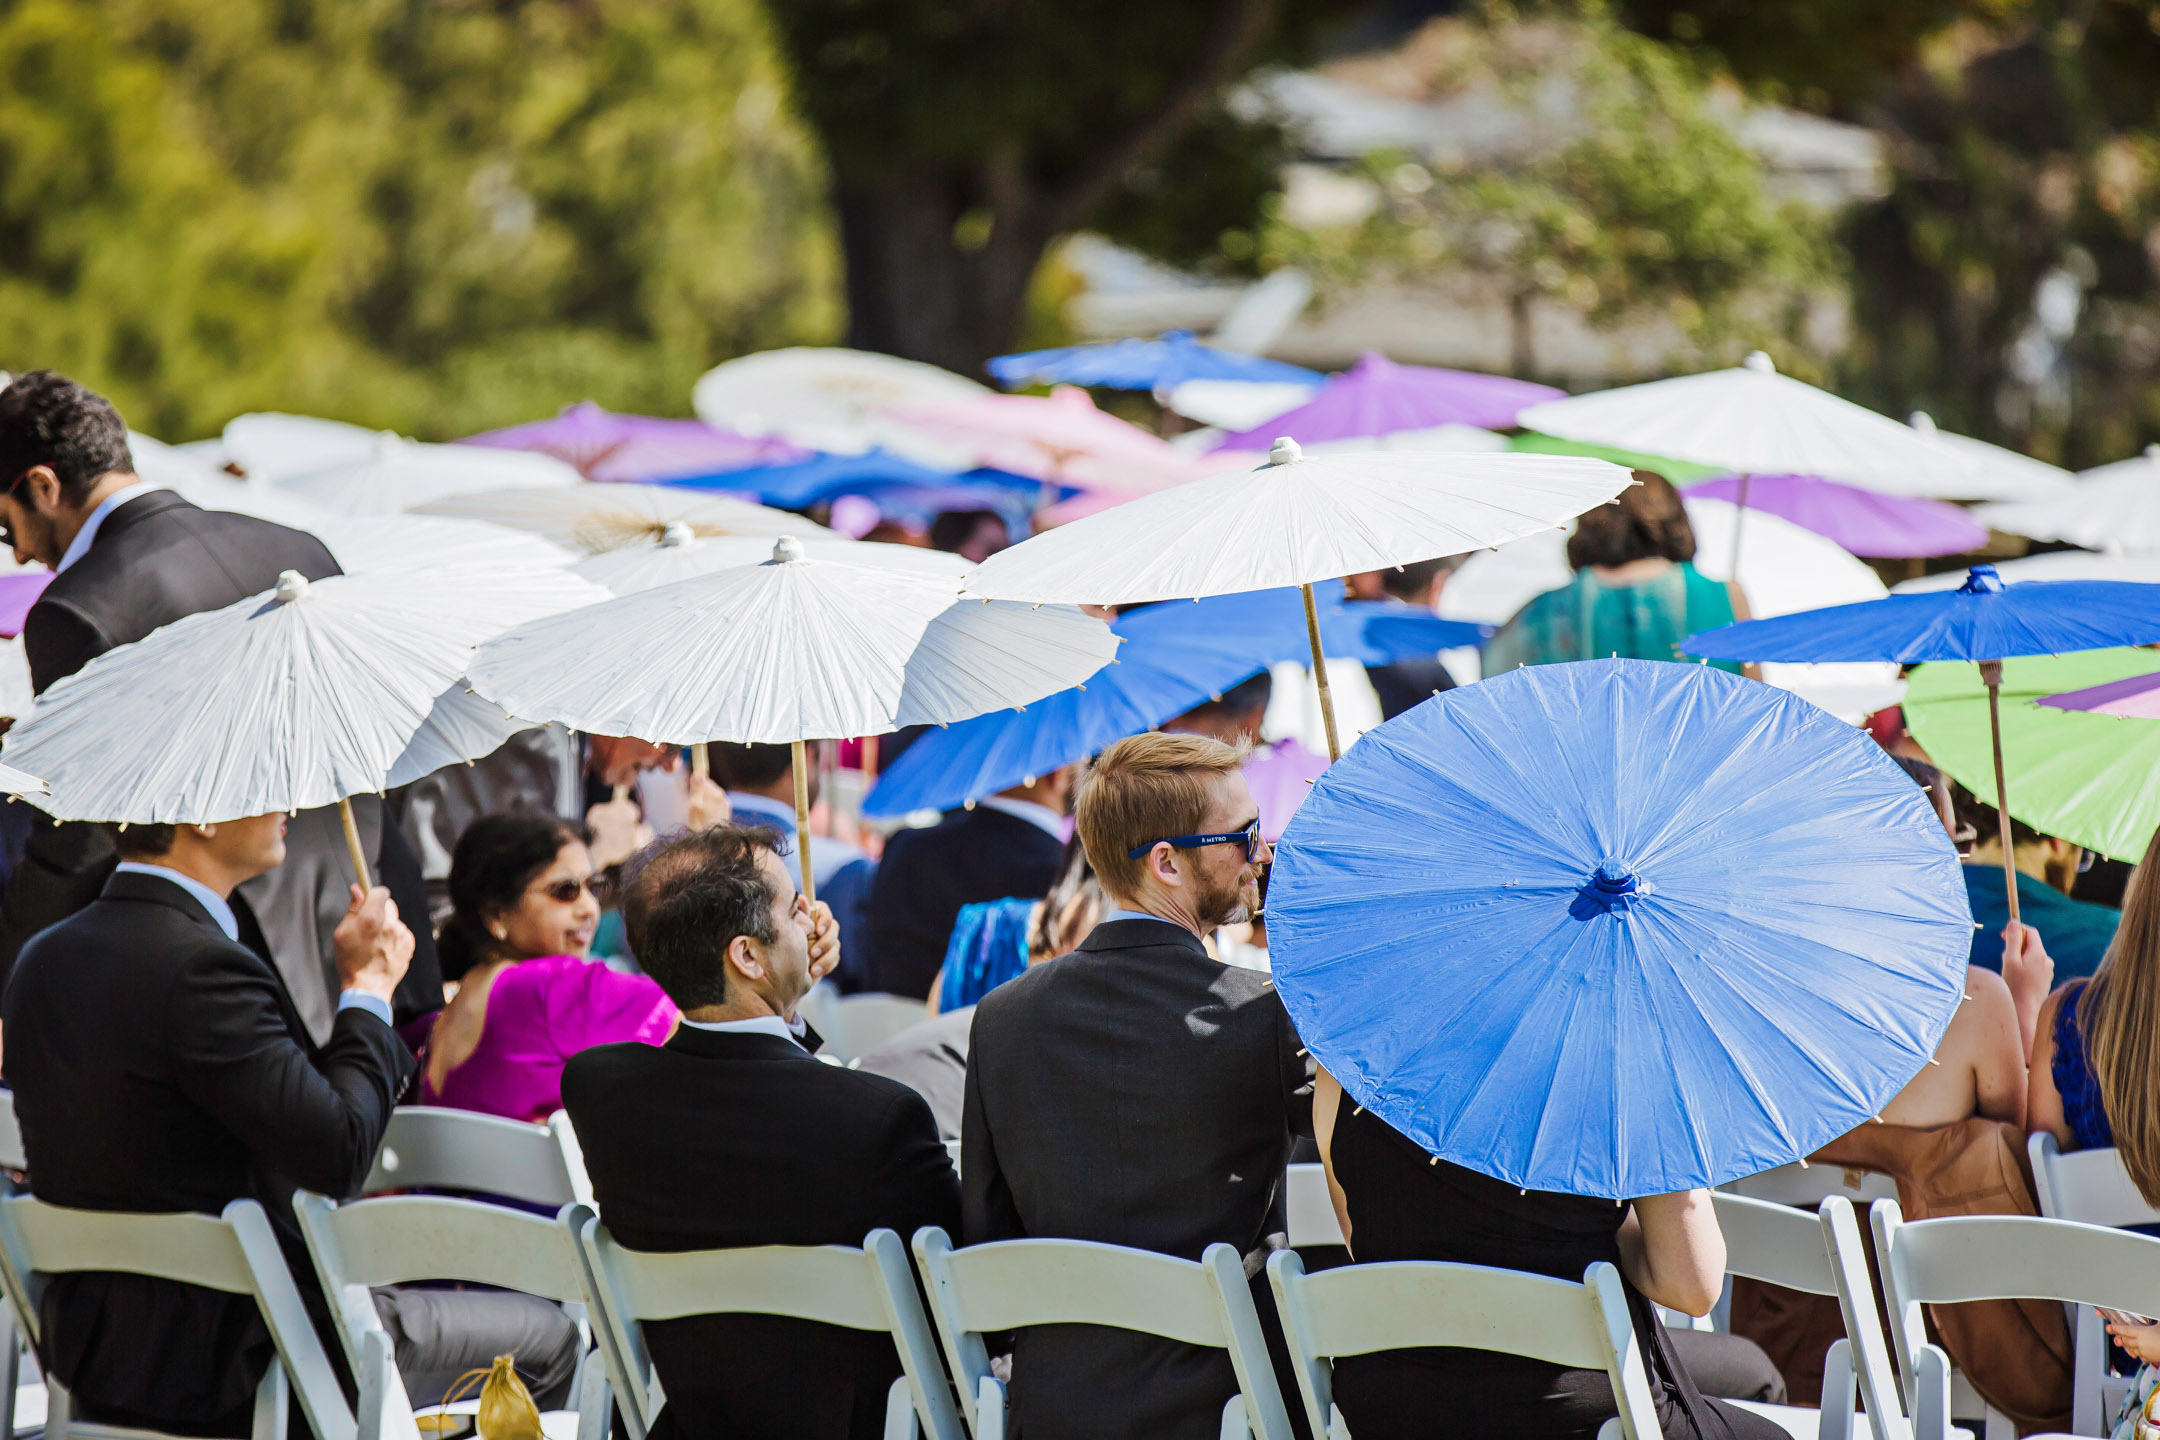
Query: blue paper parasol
[1134,364]
[1983,620]
[1176,655]
[1619,927]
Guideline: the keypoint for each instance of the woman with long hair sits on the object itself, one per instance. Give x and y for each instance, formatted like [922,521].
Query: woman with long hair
[528,998]
[2095,1074]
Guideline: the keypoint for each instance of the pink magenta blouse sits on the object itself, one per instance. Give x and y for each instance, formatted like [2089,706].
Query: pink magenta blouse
[540,1013]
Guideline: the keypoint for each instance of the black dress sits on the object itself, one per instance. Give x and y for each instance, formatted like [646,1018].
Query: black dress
[1403,1206]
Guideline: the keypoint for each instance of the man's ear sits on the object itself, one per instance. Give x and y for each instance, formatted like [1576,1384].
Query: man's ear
[41,483]
[746,957]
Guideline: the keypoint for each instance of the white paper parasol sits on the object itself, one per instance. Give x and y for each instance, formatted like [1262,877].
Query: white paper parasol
[679,554]
[399,474]
[1294,521]
[597,518]
[2114,507]
[272,446]
[1998,473]
[790,650]
[830,399]
[15,782]
[363,544]
[1752,420]
[2049,565]
[295,698]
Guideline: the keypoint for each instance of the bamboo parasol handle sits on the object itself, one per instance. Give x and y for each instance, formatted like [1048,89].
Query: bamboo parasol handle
[802,825]
[700,762]
[1319,670]
[353,847]
[1991,676]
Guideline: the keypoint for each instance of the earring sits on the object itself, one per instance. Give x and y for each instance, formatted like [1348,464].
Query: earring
[499,933]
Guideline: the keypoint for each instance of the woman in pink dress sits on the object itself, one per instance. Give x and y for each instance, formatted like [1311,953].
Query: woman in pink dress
[527,999]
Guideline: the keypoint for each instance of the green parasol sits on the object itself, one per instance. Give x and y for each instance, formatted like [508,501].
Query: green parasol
[1679,472]
[2092,779]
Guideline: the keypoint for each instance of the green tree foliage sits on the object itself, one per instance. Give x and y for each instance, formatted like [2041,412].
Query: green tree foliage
[1641,205]
[2010,283]
[964,136]
[417,214]
[1822,53]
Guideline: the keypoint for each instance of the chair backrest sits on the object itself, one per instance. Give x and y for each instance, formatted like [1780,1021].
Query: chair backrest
[1810,1185]
[1359,1309]
[870,1288]
[437,1148]
[1310,1210]
[12,1155]
[1774,1243]
[1016,1283]
[2008,1257]
[235,1252]
[1854,1286]
[399,1239]
[868,1021]
[2087,1185]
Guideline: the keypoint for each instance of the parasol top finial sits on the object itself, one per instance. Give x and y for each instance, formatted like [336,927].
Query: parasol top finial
[786,548]
[291,586]
[676,534]
[1982,580]
[1284,451]
[1759,361]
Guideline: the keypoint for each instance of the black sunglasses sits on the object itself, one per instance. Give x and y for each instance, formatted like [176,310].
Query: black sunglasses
[563,892]
[1250,836]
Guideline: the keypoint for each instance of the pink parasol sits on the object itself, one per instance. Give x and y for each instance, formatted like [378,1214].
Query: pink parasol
[604,445]
[1280,776]
[1061,438]
[2136,698]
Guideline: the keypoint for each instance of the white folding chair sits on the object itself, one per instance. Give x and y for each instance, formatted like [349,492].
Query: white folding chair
[13,1158]
[1309,1209]
[870,1288]
[1809,1185]
[438,1148]
[235,1252]
[2090,1186]
[868,1021]
[400,1239]
[1988,1257]
[1360,1309]
[1818,1255]
[1013,1284]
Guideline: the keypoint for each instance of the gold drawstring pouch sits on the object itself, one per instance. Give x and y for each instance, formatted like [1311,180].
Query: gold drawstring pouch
[507,1411]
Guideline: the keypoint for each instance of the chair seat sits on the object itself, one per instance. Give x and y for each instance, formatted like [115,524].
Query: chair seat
[1798,1421]
[555,1424]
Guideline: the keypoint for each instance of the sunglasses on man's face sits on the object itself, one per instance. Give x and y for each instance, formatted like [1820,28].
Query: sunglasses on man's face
[1249,837]
[564,892]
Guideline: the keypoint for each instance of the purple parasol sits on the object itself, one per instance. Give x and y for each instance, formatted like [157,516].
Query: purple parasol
[604,445]
[17,594]
[2138,697]
[1861,521]
[1378,397]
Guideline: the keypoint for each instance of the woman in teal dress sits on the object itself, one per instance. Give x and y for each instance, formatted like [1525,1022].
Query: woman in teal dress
[1636,591]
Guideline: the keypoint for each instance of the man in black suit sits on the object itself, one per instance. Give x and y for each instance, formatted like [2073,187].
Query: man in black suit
[128,557]
[1136,1092]
[158,1066]
[732,1134]
[1006,845]
[1407,683]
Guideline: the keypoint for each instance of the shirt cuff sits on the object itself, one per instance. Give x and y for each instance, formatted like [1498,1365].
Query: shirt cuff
[358,1000]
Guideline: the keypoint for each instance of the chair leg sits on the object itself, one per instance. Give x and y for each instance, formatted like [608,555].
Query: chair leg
[1999,1425]
[59,1413]
[1931,1403]
[900,1411]
[1838,1392]
[596,1402]
[990,1409]
[2088,1371]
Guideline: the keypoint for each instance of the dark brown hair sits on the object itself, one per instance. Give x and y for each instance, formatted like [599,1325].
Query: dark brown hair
[1646,522]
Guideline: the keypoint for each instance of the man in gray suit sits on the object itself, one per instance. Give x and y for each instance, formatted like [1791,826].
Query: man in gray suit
[1137,1092]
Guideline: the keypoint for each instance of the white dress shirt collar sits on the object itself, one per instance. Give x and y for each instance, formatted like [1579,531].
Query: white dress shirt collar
[1042,817]
[216,904]
[755,1025]
[85,537]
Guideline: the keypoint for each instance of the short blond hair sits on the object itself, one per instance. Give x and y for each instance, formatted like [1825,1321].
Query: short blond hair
[1146,788]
